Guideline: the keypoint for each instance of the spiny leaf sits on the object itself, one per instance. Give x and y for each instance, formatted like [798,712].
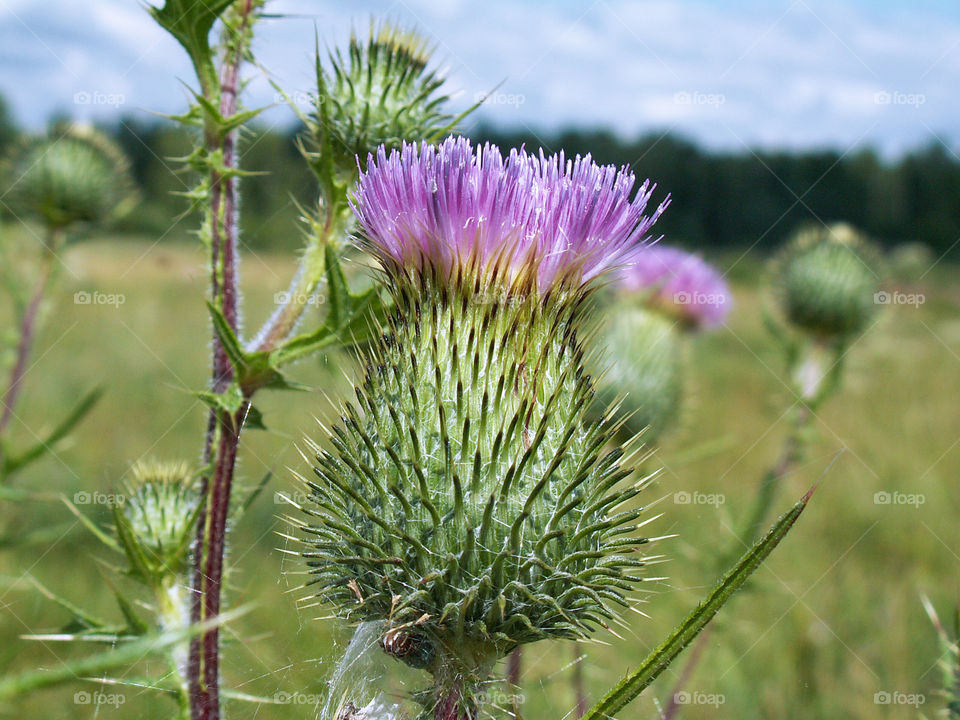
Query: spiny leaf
[658,661]
[124,656]
[82,408]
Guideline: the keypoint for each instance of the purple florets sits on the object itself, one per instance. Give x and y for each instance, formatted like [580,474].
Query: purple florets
[680,282]
[549,220]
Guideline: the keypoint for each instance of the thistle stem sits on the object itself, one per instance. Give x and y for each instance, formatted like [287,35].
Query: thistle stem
[28,323]
[203,657]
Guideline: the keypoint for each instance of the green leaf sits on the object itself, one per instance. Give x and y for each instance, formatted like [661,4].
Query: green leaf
[658,660]
[229,401]
[80,411]
[190,23]
[81,616]
[227,337]
[103,537]
[351,318]
[254,419]
[140,565]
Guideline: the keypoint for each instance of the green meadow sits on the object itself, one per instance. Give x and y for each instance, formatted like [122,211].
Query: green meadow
[831,627]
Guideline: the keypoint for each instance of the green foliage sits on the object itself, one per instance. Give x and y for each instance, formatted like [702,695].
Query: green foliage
[468,500]
[74,175]
[12,462]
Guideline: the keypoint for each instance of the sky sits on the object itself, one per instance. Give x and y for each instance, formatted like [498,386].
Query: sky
[799,74]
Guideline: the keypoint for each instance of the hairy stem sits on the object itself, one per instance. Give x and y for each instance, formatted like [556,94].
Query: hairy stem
[27,331]
[203,657]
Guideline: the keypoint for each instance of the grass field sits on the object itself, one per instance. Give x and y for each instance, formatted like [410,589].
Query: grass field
[833,619]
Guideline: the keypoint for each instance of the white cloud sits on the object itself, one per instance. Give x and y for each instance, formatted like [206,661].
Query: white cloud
[801,73]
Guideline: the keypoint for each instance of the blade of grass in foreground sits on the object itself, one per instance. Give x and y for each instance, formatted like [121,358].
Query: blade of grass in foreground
[126,654]
[658,661]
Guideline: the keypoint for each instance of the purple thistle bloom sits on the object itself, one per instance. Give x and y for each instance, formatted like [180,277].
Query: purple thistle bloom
[548,219]
[680,282]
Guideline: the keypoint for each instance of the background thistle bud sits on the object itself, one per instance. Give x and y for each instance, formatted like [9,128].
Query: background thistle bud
[469,499]
[155,522]
[643,369]
[826,281]
[381,93]
[73,175]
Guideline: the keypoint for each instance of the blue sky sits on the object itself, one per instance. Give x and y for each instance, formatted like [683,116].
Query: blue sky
[795,74]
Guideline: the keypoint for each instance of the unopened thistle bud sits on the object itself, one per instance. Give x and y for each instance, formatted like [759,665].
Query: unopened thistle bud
[155,521]
[469,501]
[643,369]
[381,93]
[74,175]
[826,282]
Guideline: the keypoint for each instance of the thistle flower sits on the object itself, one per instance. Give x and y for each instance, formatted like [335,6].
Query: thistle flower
[826,282]
[468,500]
[74,175]
[381,93]
[678,283]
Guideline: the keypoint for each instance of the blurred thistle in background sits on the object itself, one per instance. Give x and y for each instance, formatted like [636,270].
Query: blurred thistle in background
[657,301]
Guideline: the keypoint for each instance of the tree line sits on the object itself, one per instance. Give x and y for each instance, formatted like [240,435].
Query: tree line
[721,200]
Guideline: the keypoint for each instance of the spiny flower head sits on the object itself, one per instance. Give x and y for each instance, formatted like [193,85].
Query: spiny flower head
[380,92]
[469,501]
[155,523]
[826,280]
[679,283]
[530,222]
[74,175]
